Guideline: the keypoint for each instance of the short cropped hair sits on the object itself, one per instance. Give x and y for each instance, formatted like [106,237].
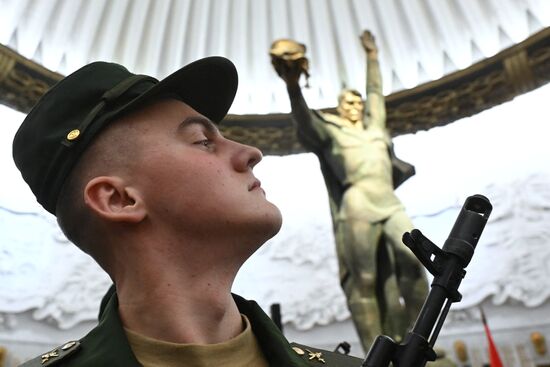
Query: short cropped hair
[112,151]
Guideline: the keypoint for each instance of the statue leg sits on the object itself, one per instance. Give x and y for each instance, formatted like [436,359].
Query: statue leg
[357,249]
[411,275]
[392,312]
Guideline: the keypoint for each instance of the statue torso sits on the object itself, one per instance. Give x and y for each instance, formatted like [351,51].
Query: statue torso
[359,159]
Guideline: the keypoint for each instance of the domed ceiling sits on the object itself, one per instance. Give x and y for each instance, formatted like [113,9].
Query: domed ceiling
[419,40]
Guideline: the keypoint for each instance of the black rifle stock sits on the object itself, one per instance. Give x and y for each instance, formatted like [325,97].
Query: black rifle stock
[447,265]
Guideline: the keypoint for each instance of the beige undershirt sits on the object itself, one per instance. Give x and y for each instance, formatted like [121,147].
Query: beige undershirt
[242,350]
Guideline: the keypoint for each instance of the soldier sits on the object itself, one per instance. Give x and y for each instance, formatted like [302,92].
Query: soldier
[141,179]
[355,152]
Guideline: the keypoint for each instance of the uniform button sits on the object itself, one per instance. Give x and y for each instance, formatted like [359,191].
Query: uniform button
[68,345]
[299,351]
[73,134]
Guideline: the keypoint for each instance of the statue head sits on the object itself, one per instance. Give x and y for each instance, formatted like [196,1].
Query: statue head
[351,105]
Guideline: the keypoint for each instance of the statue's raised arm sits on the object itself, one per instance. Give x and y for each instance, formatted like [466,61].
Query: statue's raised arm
[289,61]
[375,104]
[369,44]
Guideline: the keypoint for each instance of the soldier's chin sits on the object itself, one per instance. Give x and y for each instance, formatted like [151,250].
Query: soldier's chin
[275,221]
[266,229]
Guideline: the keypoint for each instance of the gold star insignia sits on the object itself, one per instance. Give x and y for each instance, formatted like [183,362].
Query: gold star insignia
[46,357]
[317,356]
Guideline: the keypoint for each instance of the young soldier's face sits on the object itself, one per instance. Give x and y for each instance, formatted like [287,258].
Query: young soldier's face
[351,107]
[198,183]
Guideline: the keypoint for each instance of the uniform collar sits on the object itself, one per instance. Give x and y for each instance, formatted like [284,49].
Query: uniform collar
[107,345]
[276,348]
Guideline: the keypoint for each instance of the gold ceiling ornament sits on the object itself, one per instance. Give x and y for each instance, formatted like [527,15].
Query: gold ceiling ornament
[461,351]
[3,354]
[539,342]
[22,81]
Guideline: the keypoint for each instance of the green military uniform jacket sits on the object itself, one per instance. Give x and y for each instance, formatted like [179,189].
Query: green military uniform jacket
[106,344]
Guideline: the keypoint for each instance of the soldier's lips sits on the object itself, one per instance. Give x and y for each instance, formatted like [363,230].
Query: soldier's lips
[255,185]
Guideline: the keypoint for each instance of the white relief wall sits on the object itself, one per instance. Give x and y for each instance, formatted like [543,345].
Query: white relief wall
[43,272]
[49,285]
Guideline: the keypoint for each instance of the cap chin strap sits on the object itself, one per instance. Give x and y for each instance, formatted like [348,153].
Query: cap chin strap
[107,97]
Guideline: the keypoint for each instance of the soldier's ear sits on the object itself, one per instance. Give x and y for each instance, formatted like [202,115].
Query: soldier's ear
[110,198]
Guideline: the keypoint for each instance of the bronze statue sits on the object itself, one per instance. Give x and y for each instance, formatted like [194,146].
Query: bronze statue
[384,283]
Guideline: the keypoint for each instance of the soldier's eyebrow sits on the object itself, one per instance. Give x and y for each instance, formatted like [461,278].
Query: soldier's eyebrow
[201,120]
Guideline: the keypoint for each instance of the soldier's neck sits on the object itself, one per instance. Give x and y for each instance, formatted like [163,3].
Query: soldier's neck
[178,298]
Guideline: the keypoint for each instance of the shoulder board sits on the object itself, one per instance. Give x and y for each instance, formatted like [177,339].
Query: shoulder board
[319,357]
[54,356]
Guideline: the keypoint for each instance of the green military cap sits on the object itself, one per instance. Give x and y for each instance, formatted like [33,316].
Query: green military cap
[66,119]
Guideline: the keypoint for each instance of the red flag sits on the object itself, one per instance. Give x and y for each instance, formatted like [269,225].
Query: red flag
[494,358]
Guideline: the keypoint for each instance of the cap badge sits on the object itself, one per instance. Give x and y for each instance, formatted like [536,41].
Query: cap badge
[73,134]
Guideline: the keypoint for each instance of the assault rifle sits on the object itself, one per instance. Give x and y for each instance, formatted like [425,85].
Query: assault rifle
[447,265]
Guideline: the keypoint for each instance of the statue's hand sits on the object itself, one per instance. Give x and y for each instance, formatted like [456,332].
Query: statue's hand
[289,70]
[368,42]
